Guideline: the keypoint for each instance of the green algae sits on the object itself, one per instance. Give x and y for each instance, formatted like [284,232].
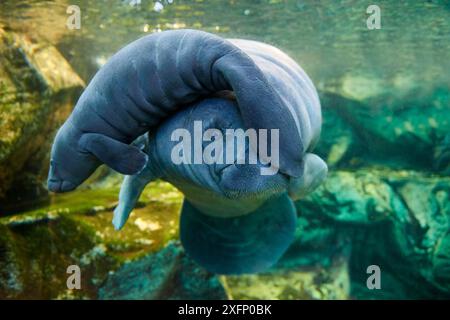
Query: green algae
[307,283]
[36,263]
[36,247]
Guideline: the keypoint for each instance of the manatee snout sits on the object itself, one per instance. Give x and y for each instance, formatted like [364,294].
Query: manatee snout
[68,166]
[56,183]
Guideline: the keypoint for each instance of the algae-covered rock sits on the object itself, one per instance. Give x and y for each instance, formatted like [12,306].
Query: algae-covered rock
[353,197]
[37,91]
[316,244]
[409,132]
[37,247]
[311,283]
[339,145]
[398,220]
[168,274]
[37,250]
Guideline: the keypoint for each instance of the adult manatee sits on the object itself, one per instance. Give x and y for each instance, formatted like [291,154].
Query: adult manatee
[234,220]
[156,76]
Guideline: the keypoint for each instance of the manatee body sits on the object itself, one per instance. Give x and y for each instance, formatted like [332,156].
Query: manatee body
[234,220]
[156,76]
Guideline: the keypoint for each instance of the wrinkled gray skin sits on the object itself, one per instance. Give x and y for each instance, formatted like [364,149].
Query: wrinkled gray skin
[218,190]
[154,77]
[234,219]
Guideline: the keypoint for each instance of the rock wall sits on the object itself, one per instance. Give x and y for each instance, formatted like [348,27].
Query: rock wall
[398,220]
[38,246]
[386,200]
[38,89]
[168,274]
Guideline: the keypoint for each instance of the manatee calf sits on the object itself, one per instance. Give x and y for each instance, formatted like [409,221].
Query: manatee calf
[234,220]
[156,76]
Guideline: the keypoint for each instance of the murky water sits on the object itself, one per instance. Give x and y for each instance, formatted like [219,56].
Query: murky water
[327,38]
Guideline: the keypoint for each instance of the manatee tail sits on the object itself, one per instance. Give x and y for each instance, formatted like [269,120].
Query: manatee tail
[245,244]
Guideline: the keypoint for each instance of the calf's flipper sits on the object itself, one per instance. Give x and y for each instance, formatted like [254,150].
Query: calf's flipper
[124,158]
[315,171]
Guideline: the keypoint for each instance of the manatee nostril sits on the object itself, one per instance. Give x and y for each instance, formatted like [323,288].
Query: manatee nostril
[67,186]
[54,185]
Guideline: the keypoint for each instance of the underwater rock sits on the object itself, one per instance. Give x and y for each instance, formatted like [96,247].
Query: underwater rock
[316,244]
[353,197]
[338,144]
[307,283]
[36,247]
[37,91]
[167,274]
[35,251]
[398,220]
[409,132]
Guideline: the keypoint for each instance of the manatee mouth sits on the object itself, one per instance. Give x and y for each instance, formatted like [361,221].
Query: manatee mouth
[56,185]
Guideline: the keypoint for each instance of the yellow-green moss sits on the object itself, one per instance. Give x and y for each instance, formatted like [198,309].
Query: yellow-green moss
[36,247]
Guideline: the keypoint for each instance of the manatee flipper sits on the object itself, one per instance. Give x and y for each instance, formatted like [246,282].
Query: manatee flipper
[130,191]
[315,171]
[123,158]
[245,244]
